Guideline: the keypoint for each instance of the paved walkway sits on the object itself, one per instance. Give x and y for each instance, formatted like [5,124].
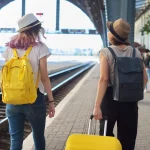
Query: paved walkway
[73,112]
[143,138]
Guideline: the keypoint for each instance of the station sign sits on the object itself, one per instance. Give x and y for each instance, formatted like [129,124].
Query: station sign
[73,31]
[39,14]
[7,30]
[78,31]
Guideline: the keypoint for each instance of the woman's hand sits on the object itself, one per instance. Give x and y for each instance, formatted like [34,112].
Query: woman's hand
[97,113]
[51,110]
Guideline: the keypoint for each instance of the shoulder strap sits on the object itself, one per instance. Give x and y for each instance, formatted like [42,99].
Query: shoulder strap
[38,75]
[134,51]
[15,53]
[112,52]
[27,51]
[37,79]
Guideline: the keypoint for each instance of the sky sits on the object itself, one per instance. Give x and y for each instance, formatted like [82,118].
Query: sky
[70,17]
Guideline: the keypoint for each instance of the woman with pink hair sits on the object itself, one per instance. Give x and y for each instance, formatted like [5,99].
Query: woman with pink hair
[30,31]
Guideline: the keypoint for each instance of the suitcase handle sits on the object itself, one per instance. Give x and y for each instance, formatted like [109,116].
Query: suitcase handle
[105,124]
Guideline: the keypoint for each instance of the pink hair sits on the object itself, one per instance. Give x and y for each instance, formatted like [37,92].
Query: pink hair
[25,39]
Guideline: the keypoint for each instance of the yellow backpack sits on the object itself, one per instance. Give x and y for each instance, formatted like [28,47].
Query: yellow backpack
[18,85]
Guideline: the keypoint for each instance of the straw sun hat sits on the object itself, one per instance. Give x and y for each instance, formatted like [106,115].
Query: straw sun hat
[120,29]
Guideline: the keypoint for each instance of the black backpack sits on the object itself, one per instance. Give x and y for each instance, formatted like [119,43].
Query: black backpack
[128,85]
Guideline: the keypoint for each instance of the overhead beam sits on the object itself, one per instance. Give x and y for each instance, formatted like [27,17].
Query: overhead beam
[5,2]
[142,11]
[23,7]
[122,9]
[90,10]
[79,5]
[57,14]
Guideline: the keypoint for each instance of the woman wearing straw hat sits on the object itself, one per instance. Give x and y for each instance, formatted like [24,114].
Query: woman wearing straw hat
[124,113]
[29,35]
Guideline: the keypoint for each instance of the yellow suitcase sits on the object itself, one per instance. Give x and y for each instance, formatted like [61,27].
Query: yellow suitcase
[92,142]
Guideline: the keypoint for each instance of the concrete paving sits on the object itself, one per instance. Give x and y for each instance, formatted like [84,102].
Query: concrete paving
[73,112]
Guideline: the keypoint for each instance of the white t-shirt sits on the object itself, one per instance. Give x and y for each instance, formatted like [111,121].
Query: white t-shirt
[37,52]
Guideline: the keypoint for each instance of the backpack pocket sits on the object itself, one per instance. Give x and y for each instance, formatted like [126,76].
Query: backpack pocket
[130,79]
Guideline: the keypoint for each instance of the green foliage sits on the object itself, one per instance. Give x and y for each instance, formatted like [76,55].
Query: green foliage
[146,27]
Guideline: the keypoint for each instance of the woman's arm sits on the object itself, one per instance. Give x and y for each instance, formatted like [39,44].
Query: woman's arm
[47,85]
[103,80]
[145,78]
[45,79]
[102,86]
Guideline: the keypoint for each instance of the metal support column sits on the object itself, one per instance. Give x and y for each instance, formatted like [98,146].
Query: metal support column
[122,9]
[104,36]
[23,7]
[57,14]
[131,18]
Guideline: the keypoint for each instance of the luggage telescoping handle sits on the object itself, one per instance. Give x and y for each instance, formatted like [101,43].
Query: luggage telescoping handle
[90,123]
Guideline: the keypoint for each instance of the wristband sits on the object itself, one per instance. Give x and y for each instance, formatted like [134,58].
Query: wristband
[51,101]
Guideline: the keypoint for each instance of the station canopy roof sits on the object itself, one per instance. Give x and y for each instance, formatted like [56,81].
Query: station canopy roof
[141,7]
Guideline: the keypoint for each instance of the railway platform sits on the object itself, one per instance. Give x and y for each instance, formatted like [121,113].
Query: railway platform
[73,111]
[53,67]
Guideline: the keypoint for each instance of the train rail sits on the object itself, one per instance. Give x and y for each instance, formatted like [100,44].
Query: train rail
[60,88]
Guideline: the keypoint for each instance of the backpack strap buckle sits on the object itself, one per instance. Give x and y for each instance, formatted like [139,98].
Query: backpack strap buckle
[27,51]
[25,55]
[15,53]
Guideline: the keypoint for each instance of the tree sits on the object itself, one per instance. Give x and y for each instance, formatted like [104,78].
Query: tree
[146,27]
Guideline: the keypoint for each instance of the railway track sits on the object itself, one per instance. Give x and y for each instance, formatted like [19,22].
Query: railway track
[60,89]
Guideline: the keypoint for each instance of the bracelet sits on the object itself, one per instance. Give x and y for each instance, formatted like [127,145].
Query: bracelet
[51,101]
